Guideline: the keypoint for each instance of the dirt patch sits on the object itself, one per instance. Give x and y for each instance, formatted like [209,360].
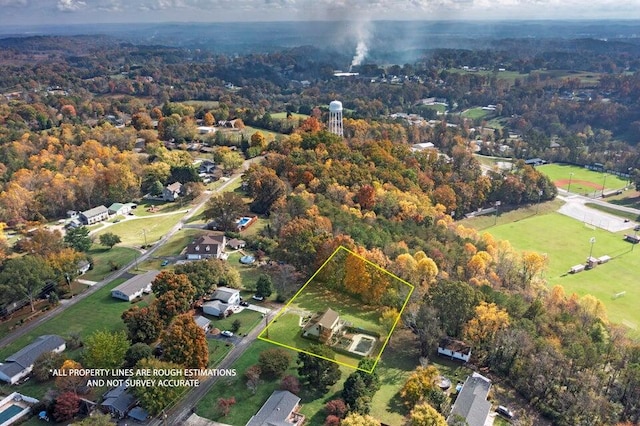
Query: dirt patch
[565,182]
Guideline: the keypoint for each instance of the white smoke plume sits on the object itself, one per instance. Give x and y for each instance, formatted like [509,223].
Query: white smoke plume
[361,53]
[363,32]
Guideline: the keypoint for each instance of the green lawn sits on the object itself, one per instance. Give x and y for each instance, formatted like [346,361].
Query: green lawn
[268,134]
[102,256]
[566,242]
[248,320]
[294,116]
[218,349]
[132,232]
[162,207]
[566,172]
[476,113]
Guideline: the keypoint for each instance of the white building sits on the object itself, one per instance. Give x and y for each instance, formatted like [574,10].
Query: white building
[135,286]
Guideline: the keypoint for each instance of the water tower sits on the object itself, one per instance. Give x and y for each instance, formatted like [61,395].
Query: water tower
[335,118]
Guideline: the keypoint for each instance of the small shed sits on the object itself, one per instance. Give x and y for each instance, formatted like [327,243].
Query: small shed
[604,259]
[592,262]
[577,268]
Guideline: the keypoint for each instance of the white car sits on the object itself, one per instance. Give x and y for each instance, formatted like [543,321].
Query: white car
[258,298]
[227,333]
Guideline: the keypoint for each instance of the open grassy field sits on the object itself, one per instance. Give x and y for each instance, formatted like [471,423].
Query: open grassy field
[132,231]
[268,134]
[566,242]
[583,181]
[294,116]
[103,258]
[315,298]
[248,320]
[476,113]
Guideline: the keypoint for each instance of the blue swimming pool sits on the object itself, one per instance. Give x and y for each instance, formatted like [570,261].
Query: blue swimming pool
[243,221]
[9,412]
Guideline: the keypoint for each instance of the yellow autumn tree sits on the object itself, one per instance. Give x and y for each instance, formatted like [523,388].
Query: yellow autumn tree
[419,383]
[483,327]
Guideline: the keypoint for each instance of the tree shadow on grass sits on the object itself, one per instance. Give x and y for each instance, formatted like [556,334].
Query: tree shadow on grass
[396,405]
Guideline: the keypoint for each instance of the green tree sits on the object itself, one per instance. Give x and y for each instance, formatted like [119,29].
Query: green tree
[318,373]
[184,343]
[361,386]
[425,415]
[104,349]
[225,209]
[78,238]
[136,352]
[455,302]
[274,362]
[229,160]
[24,276]
[95,419]
[109,239]
[155,398]
[205,275]
[45,364]
[264,286]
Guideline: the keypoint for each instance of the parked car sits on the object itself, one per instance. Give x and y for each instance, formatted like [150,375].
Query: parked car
[258,298]
[164,263]
[504,411]
[243,303]
[636,228]
[227,333]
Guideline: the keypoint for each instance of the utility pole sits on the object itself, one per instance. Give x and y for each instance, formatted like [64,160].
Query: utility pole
[604,181]
[495,220]
[539,196]
[570,177]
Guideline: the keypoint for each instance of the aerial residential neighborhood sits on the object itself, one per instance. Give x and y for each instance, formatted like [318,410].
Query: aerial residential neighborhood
[342,221]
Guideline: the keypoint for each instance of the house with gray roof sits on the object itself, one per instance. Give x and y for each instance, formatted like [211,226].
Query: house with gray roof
[279,410]
[118,401]
[135,286]
[172,192]
[94,215]
[20,364]
[202,322]
[471,403]
[221,301]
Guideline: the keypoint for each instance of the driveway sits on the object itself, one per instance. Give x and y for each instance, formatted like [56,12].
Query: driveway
[257,308]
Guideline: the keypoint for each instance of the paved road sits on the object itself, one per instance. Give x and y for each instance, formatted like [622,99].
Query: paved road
[26,328]
[181,411]
[575,207]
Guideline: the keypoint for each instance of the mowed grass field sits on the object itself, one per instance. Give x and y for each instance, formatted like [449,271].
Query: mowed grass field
[566,242]
[583,181]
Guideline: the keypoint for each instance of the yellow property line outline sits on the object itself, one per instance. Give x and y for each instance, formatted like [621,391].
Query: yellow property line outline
[395,323]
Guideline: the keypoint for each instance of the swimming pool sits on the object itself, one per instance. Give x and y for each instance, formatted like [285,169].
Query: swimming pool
[243,221]
[9,412]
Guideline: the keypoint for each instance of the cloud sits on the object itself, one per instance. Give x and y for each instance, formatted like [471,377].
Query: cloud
[70,5]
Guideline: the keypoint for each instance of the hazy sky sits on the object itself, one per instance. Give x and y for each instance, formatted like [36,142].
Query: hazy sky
[105,11]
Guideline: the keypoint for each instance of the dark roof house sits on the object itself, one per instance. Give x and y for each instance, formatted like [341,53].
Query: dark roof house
[118,401]
[278,410]
[206,246]
[20,363]
[172,192]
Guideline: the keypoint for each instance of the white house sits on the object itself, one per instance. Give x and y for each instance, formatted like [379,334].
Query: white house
[222,299]
[94,215]
[202,322]
[20,364]
[454,349]
[135,286]
[120,209]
